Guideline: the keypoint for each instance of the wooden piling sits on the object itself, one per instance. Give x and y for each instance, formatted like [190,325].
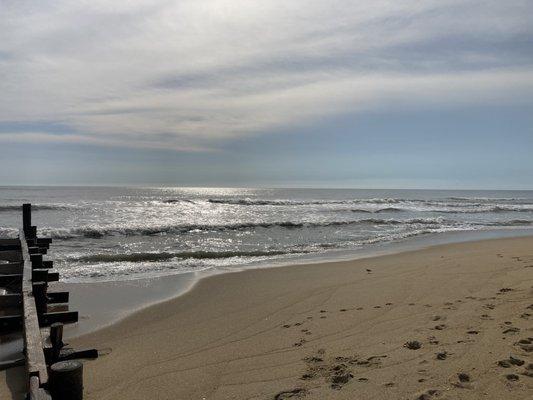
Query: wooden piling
[66,380]
[25,305]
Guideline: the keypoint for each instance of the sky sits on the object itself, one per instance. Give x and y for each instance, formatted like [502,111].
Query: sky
[363,94]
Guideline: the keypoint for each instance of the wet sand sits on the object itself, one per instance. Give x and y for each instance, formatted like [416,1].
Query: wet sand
[447,322]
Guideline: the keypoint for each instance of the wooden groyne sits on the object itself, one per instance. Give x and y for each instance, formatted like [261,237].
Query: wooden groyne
[29,307]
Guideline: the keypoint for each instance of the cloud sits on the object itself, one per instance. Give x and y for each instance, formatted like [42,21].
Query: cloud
[186,75]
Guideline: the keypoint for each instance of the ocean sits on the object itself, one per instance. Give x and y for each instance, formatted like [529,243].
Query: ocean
[122,233]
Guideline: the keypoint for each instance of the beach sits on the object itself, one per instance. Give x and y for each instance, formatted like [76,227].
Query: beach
[448,322]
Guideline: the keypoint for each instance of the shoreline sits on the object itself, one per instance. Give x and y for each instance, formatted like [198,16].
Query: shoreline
[333,330]
[105,303]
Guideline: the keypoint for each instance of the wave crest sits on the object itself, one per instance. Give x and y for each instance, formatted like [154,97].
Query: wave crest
[96,233]
[153,257]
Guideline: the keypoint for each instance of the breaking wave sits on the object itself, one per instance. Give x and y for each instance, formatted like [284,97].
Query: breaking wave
[153,257]
[96,233]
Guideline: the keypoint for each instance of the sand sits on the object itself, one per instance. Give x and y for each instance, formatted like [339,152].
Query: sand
[447,322]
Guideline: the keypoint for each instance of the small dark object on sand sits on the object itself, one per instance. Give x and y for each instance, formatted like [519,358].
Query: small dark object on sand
[413,345]
[512,377]
[442,355]
[463,377]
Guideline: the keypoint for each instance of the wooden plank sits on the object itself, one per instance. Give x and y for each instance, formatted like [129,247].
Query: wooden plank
[11,268]
[57,297]
[10,280]
[43,274]
[66,317]
[37,250]
[10,300]
[5,247]
[10,241]
[10,323]
[10,255]
[33,344]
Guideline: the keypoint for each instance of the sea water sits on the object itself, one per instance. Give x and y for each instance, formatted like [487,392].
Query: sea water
[114,234]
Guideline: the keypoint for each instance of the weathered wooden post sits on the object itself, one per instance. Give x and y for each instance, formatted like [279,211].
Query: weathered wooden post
[26,219]
[56,339]
[29,231]
[39,290]
[66,380]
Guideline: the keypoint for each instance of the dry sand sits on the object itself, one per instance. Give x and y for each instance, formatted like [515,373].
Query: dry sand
[447,322]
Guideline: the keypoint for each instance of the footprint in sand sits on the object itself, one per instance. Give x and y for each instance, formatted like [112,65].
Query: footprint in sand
[440,327]
[512,377]
[340,375]
[443,355]
[343,310]
[464,380]
[433,340]
[528,371]
[473,332]
[427,395]
[525,344]
[463,377]
[507,363]
[336,374]
[307,377]
[413,345]
[511,330]
[291,394]
[504,364]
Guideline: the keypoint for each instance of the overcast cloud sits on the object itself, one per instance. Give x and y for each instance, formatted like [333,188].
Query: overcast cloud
[187,75]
